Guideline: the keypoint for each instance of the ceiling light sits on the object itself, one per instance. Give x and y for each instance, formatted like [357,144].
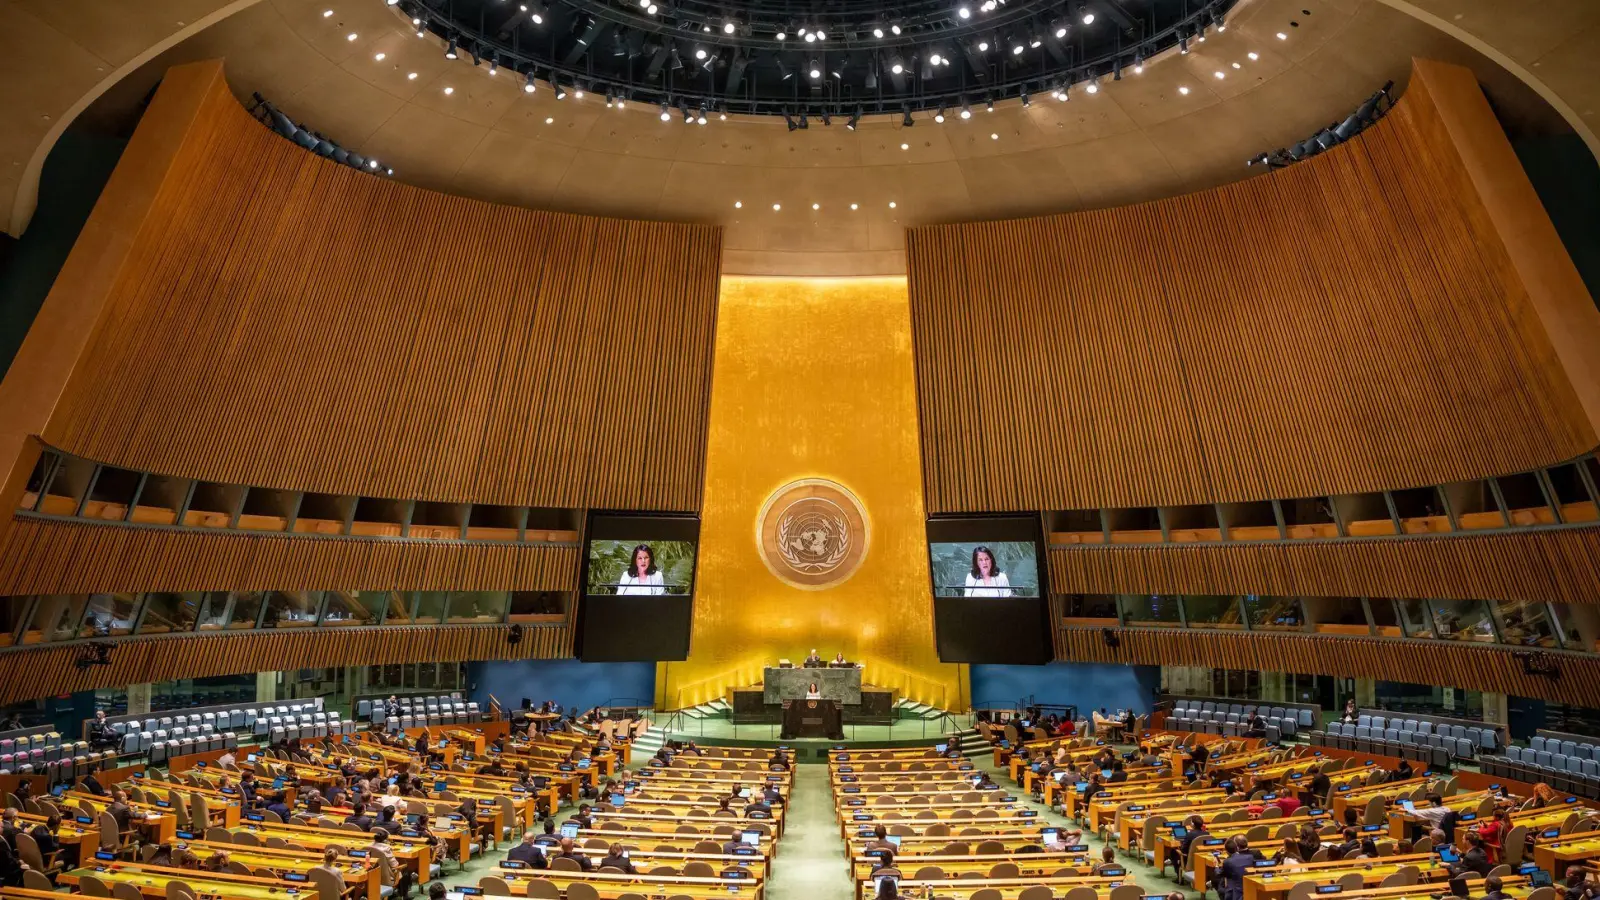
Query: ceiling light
[934,58]
[877,31]
[855,119]
[449,90]
[1183,89]
[528,86]
[411,76]
[536,13]
[964,12]
[895,29]
[450,51]
[652,9]
[811,37]
[700,53]
[966,111]
[821,35]
[816,206]
[896,66]
[905,118]
[326,13]
[1237,66]
[988,105]
[738,204]
[777,206]
[994,137]
[1282,36]
[351,36]
[1253,56]
[905,146]
[855,206]
[379,56]
[561,92]
[1034,40]
[1220,75]
[728,27]
[939,116]
[1183,46]
[782,35]
[494,67]
[577,91]
[549,120]
[1088,17]
[1138,63]
[665,115]
[815,70]
[1016,49]
[891,204]
[1093,87]
[983,46]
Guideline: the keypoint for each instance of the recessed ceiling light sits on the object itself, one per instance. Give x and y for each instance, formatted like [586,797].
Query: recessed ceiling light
[891,204]
[1282,36]
[549,120]
[777,206]
[326,13]
[411,76]
[738,204]
[816,206]
[1183,89]
[351,36]
[1219,74]
[994,137]
[449,90]
[855,205]
[1237,66]
[1254,56]
[379,56]
[905,146]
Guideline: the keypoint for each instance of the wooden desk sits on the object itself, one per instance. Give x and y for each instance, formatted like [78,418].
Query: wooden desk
[755,863]
[363,879]
[683,843]
[1372,871]
[156,824]
[1029,865]
[86,838]
[918,846]
[1008,888]
[152,882]
[1009,813]
[412,853]
[611,886]
[1555,855]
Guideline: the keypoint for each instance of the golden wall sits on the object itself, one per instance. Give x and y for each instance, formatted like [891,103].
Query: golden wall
[812,378]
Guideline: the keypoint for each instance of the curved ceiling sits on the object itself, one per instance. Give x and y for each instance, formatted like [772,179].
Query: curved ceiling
[1136,139]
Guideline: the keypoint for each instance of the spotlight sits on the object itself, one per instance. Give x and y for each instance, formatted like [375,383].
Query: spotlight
[896,65]
[1183,45]
[1061,29]
[964,12]
[988,105]
[1026,102]
[728,27]
[811,37]
[939,116]
[529,86]
[1138,64]
[805,122]
[782,35]
[877,31]
[983,45]
[814,69]
[701,118]
[683,109]
[1116,69]
[905,117]
[966,110]
[561,92]
[1088,17]
[789,120]
[536,13]
[450,50]
[1093,87]
[895,28]
[1034,40]
[665,115]
[827,118]
[855,119]
[700,53]
[494,66]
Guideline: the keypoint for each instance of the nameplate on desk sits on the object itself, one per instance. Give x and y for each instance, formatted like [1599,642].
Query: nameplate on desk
[1027,813]
[863,817]
[512,864]
[1078,848]
[357,854]
[843,757]
[256,817]
[1370,828]
[1297,775]
[845,779]
[1466,817]
[188,835]
[847,768]
[853,789]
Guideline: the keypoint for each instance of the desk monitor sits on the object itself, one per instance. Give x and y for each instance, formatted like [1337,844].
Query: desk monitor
[1539,878]
[617,800]
[941,749]
[894,839]
[569,830]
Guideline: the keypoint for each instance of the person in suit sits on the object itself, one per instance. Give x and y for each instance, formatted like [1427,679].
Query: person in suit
[617,858]
[813,661]
[101,737]
[1238,864]
[44,834]
[548,838]
[1476,859]
[361,817]
[1350,842]
[1194,829]
[93,786]
[1108,860]
[528,852]
[1494,889]
[880,841]
[569,851]
[11,867]
[1256,727]
[120,810]
[9,827]
[886,867]
[279,806]
[778,762]
[585,817]
[216,862]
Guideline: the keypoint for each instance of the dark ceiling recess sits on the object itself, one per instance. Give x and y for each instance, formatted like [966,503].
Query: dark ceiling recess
[813,59]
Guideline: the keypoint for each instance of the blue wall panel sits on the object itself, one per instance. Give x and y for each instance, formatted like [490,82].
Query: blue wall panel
[1088,685]
[573,684]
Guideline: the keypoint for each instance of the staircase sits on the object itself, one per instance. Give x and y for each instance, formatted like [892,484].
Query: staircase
[910,709]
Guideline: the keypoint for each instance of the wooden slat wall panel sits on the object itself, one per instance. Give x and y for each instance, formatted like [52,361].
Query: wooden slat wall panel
[1466,666]
[1562,566]
[75,558]
[145,661]
[287,322]
[1350,323]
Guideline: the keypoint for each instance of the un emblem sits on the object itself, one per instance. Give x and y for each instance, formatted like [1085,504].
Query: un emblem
[812,533]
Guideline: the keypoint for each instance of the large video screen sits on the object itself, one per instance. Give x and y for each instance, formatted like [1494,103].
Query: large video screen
[638,577]
[989,590]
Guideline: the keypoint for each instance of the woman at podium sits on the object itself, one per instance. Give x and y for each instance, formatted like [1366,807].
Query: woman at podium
[986,579]
[813,692]
[642,577]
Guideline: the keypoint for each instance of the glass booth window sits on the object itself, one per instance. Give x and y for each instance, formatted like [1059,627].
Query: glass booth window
[353,608]
[1566,627]
[167,613]
[1415,618]
[55,618]
[110,615]
[1526,623]
[1150,610]
[477,607]
[246,609]
[1212,611]
[1273,613]
[297,609]
[430,608]
[1385,620]
[1462,620]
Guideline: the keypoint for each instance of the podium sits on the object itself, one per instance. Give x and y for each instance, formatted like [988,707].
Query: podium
[812,719]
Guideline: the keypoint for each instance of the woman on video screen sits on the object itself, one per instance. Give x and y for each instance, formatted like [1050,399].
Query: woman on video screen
[986,579]
[642,577]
